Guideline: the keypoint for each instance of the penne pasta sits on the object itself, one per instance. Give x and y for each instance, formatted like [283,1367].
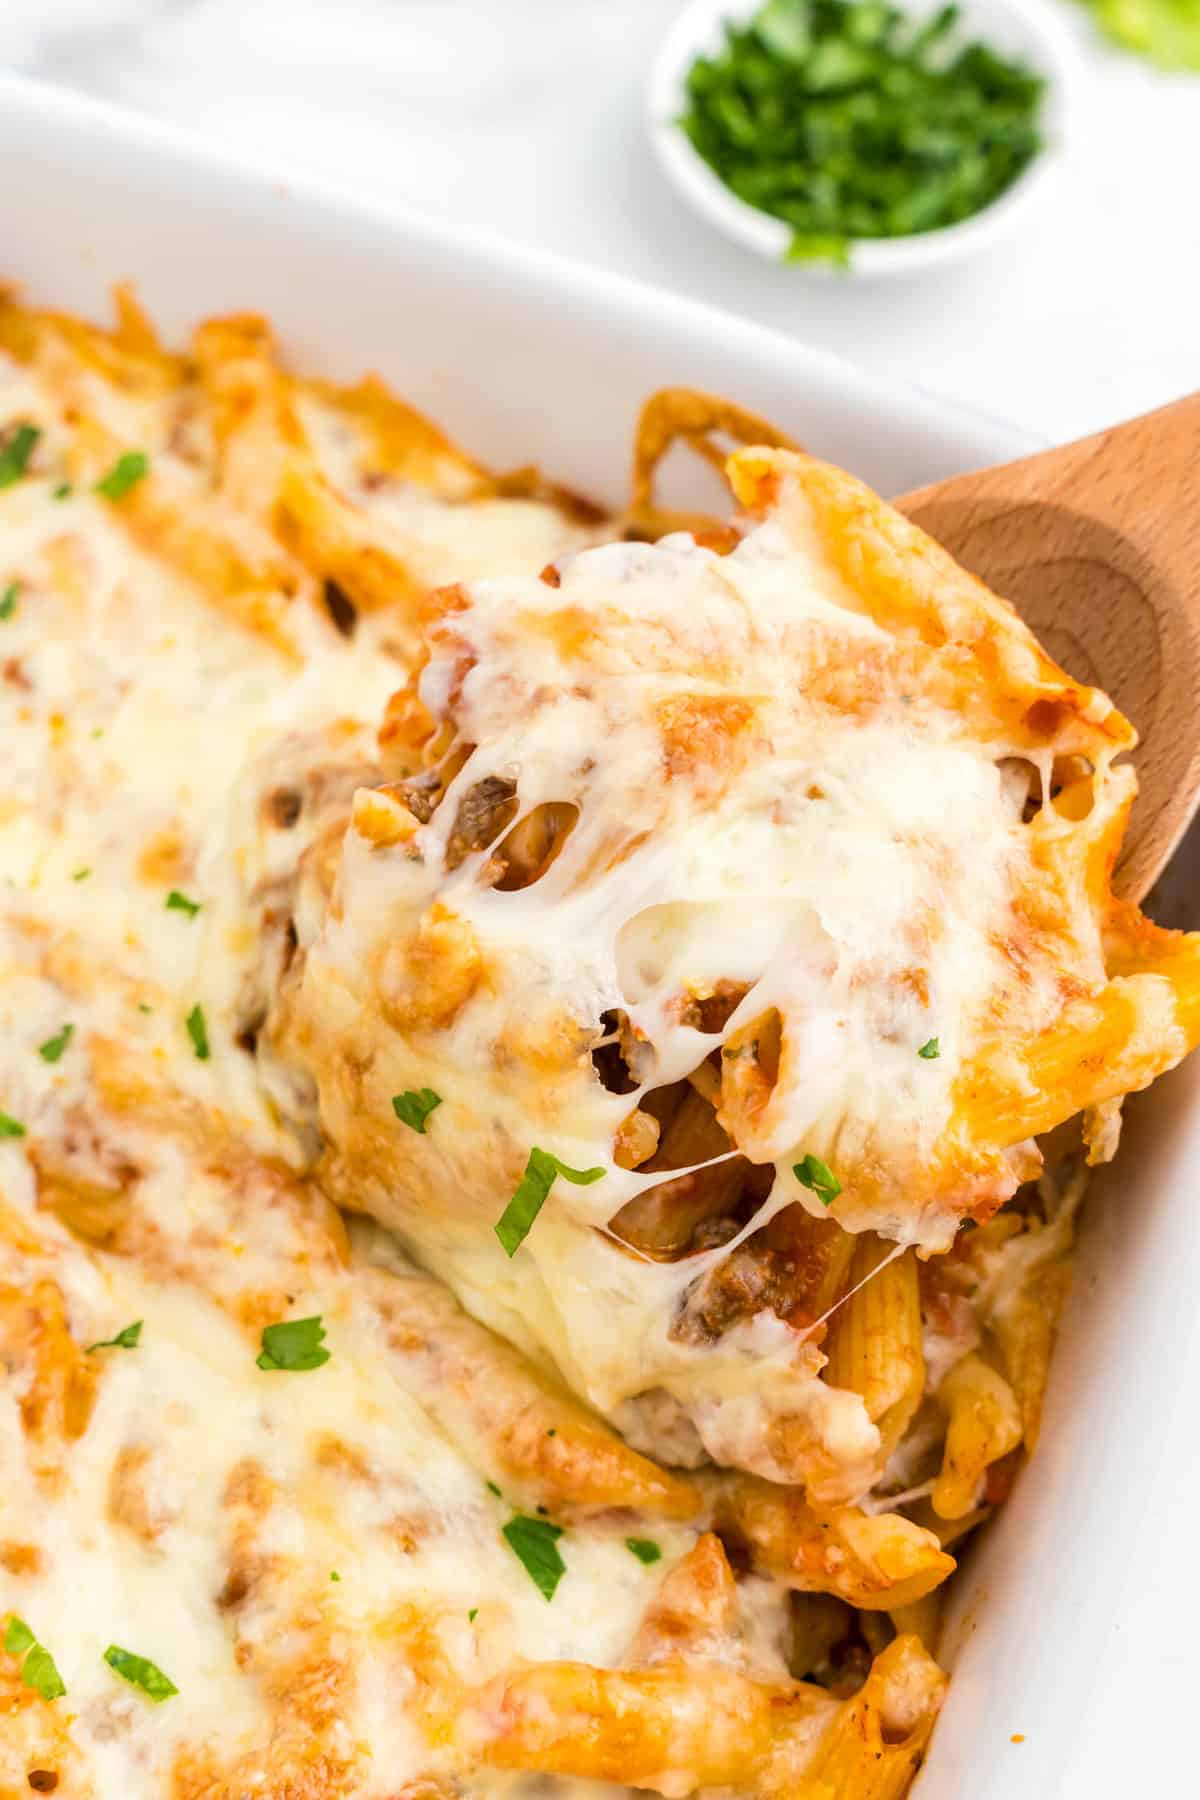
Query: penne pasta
[874,1343]
[674,1729]
[328,535]
[55,1387]
[983,1424]
[877,1741]
[696,1611]
[529,1432]
[667,1728]
[877,1561]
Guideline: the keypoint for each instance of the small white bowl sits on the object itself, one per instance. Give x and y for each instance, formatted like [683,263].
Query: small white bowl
[1027,29]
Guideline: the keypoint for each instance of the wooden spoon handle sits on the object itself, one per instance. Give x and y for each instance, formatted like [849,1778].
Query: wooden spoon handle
[1097,545]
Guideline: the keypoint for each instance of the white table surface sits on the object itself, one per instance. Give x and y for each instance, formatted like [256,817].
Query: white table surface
[526,116]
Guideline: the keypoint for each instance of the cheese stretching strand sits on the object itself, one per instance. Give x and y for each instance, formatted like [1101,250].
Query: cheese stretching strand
[766,891]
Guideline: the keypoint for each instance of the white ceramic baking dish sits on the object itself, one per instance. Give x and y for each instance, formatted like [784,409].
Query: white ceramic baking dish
[1075,1624]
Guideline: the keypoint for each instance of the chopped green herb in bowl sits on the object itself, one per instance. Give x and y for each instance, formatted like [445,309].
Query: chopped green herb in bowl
[856,133]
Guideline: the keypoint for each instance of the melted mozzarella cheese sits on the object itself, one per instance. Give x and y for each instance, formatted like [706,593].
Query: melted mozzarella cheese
[770,797]
[197,954]
[156,746]
[417,1529]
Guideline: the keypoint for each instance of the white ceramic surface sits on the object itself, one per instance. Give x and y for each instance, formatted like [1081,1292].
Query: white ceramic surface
[523,355]
[1026,30]
[1075,1625]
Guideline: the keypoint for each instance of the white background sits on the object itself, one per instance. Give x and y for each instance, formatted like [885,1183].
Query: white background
[525,116]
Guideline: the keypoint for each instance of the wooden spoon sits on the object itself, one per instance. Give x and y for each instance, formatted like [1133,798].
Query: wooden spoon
[1097,545]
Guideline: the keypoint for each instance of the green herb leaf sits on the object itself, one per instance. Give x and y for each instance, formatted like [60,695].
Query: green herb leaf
[8,603]
[38,1670]
[18,1638]
[645,1549]
[16,452]
[931,1050]
[472,1615]
[81,875]
[10,1127]
[197,1030]
[62,491]
[413,1108]
[177,902]
[516,1221]
[40,1673]
[535,1543]
[492,1488]
[124,1340]
[125,473]
[334,1576]
[821,246]
[783,26]
[293,1344]
[140,1672]
[812,1173]
[54,1046]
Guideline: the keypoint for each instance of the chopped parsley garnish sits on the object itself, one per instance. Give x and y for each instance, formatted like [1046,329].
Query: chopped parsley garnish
[334,1576]
[54,1046]
[125,473]
[535,1543]
[140,1672]
[492,1488]
[472,1615]
[124,1340]
[38,1669]
[516,1221]
[8,602]
[931,1050]
[62,491]
[293,1344]
[16,452]
[18,1638]
[81,875]
[143,1008]
[812,1173]
[850,120]
[645,1549]
[177,902]
[197,1030]
[413,1109]
[10,1127]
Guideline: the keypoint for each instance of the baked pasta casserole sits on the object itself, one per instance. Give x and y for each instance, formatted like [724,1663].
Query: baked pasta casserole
[549,1065]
